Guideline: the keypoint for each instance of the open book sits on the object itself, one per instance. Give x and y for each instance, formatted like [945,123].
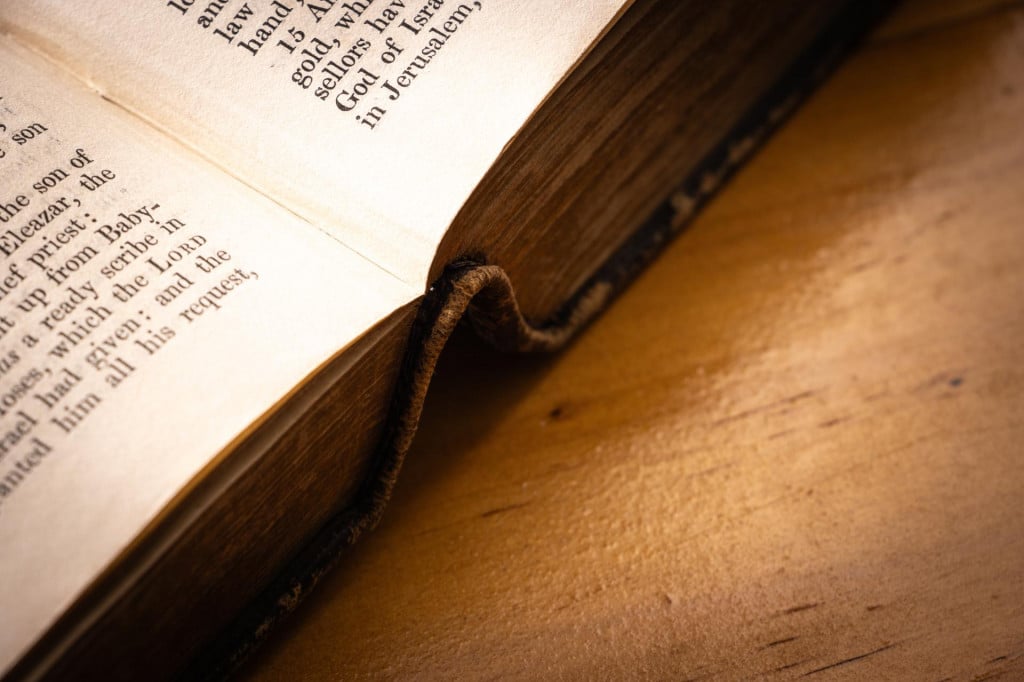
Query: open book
[220,224]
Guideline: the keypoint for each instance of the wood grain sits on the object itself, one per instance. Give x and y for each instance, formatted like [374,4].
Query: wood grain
[792,449]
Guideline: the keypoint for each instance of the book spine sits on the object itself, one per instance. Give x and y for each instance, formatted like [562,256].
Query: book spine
[483,295]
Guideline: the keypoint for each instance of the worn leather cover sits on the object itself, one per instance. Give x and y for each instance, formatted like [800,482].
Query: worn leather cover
[476,293]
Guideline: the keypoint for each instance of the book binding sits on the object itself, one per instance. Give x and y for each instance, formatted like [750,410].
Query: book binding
[473,292]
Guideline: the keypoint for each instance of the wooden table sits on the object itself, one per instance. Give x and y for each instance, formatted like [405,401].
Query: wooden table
[794,447]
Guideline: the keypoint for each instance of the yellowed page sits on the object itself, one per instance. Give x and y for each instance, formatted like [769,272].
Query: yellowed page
[151,308]
[375,118]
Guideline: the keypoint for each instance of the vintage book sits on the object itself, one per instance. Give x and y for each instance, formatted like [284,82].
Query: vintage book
[235,234]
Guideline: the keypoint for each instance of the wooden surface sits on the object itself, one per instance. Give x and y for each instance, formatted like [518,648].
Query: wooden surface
[795,447]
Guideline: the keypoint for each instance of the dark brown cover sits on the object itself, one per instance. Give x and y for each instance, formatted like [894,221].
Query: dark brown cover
[474,292]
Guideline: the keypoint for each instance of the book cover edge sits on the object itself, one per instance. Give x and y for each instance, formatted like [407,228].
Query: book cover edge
[483,295]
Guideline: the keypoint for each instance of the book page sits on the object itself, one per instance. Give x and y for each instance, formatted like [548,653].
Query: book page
[373,118]
[149,311]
